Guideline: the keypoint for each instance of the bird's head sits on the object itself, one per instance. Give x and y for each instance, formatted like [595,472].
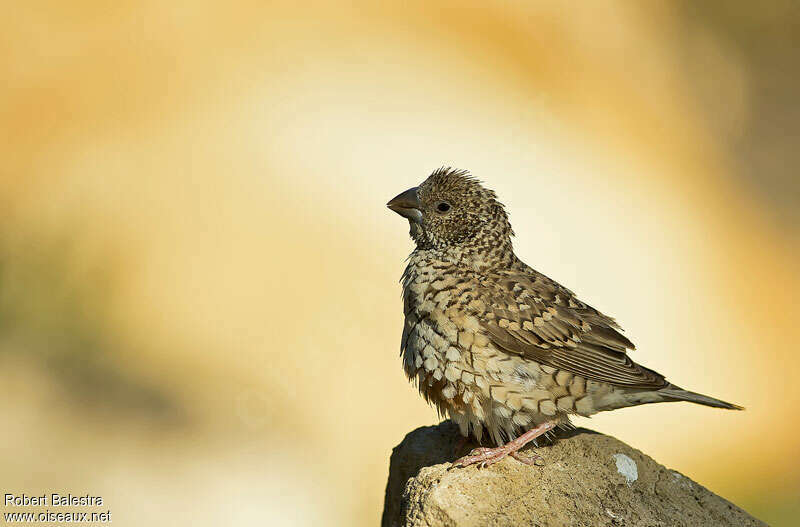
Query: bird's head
[452,211]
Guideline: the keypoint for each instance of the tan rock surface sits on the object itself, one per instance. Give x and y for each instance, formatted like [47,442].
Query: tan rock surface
[587,479]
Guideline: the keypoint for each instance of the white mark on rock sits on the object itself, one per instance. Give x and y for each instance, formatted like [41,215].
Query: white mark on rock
[627,467]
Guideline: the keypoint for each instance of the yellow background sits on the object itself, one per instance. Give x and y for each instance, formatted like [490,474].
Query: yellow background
[199,303]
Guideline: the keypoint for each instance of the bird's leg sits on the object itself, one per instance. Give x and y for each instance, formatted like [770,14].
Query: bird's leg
[490,456]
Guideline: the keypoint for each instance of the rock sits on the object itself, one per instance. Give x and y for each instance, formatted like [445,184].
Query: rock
[587,479]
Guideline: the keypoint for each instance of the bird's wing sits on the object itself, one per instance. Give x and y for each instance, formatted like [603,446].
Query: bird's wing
[528,314]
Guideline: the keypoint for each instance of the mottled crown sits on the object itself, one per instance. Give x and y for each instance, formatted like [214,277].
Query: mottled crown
[460,215]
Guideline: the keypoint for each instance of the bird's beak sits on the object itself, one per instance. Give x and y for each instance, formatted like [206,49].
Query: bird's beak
[407,205]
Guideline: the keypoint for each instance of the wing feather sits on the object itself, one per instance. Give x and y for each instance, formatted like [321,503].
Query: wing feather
[530,315]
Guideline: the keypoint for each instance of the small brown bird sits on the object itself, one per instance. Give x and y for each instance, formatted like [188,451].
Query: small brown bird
[502,349]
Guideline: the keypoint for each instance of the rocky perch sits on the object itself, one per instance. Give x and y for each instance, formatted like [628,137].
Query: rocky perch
[587,479]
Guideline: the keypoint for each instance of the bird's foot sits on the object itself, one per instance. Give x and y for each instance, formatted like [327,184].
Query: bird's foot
[483,456]
[489,456]
[532,459]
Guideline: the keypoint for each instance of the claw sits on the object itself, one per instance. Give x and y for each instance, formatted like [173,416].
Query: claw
[483,456]
[531,460]
[489,456]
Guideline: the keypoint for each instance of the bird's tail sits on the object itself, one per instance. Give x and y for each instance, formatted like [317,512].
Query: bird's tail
[679,394]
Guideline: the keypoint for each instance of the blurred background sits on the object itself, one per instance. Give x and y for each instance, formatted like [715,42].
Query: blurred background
[200,312]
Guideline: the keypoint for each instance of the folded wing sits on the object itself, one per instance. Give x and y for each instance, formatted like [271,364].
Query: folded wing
[528,314]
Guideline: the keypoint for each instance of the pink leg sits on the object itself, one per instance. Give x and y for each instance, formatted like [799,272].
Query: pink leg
[490,456]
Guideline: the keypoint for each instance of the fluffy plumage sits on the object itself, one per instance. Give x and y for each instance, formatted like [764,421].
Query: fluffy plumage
[494,344]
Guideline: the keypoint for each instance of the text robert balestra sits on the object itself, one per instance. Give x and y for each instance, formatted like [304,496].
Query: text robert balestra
[52,500]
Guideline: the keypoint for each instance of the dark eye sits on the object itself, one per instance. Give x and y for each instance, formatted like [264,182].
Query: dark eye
[443,206]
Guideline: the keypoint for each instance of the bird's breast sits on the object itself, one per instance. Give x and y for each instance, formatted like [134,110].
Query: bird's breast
[447,354]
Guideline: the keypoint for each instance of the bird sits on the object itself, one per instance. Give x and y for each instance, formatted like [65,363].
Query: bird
[505,352]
